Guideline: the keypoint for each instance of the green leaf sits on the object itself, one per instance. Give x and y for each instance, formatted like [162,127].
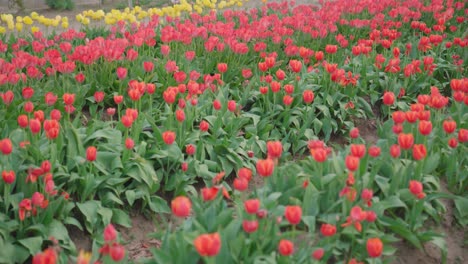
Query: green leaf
[159,205]
[33,244]
[106,214]
[121,218]
[130,195]
[431,163]
[390,202]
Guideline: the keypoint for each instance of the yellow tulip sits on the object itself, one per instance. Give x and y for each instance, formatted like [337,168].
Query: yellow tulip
[2,30]
[27,20]
[35,29]
[65,25]
[19,26]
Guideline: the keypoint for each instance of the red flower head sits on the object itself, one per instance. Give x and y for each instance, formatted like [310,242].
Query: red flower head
[358,150]
[265,167]
[208,245]
[232,105]
[308,96]
[91,153]
[121,73]
[374,151]
[8,176]
[462,135]
[405,140]
[327,230]
[295,65]
[395,151]
[416,188]
[251,206]
[449,126]
[352,163]
[240,184]
[374,247]
[222,67]
[245,173]
[148,66]
[285,247]
[318,253]
[250,226]
[354,133]
[274,149]
[117,252]
[180,115]
[204,126]
[388,98]
[168,137]
[181,206]
[209,194]
[425,127]
[68,98]
[48,256]
[419,151]
[129,143]
[293,214]
[6,147]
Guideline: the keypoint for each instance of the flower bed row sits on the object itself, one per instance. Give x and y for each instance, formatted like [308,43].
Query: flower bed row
[198,109]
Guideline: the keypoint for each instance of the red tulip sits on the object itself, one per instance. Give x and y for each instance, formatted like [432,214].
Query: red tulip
[319,154]
[463,135]
[252,206]
[274,149]
[217,104]
[35,125]
[180,115]
[449,126]
[190,149]
[240,184]
[181,206]
[245,173]
[168,137]
[285,247]
[425,127]
[6,147]
[99,96]
[327,230]
[352,163]
[318,253]
[209,194]
[419,151]
[374,247]
[265,167]
[148,66]
[91,153]
[405,140]
[8,176]
[250,226]
[308,96]
[129,143]
[398,117]
[388,98]
[453,142]
[48,256]
[127,121]
[232,105]
[293,214]
[395,151]
[204,126]
[416,188]
[208,245]
[110,234]
[374,151]
[222,67]
[68,98]
[358,150]
[117,252]
[354,133]
[121,73]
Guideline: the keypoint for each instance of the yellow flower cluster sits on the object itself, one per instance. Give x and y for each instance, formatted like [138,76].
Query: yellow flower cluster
[134,15]
[18,23]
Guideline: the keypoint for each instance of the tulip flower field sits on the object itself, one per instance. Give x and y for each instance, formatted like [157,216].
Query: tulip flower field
[316,133]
